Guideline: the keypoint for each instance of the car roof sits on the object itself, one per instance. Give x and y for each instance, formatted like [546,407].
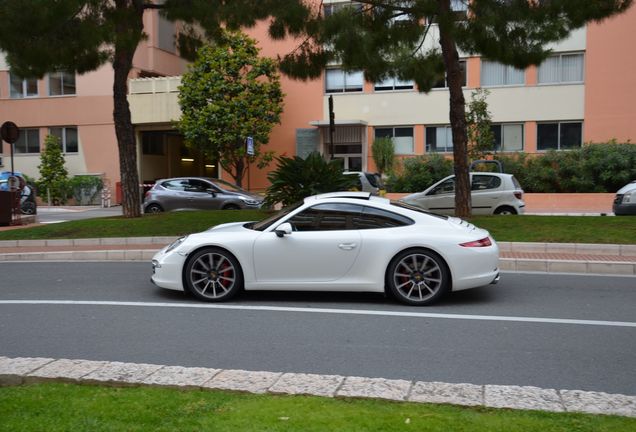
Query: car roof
[345,194]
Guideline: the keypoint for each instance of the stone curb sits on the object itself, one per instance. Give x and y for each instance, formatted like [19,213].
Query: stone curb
[25,370]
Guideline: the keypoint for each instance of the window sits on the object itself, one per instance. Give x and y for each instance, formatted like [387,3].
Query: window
[508,137]
[196,185]
[176,185]
[68,138]
[28,142]
[563,68]
[446,187]
[22,88]
[497,74]
[394,84]
[332,8]
[152,143]
[559,136]
[326,217]
[402,138]
[439,139]
[61,84]
[338,81]
[371,218]
[166,34]
[482,182]
[443,83]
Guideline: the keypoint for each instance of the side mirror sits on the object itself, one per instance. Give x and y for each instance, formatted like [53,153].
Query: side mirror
[283,229]
[211,192]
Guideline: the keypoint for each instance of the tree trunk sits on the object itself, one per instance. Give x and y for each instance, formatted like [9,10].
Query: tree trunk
[240,168]
[122,64]
[457,114]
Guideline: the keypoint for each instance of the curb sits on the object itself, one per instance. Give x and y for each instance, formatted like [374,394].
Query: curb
[26,370]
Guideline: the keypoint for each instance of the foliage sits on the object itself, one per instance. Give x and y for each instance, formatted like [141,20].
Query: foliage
[383,151]
[420,172]
[227,95]
[481,140]
[296,178]
[86,189]
[53,180]
[593,168]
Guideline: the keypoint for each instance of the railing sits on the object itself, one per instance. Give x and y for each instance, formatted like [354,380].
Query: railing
[154,85]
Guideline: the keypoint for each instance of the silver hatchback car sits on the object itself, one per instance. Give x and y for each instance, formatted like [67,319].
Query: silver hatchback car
[198,193]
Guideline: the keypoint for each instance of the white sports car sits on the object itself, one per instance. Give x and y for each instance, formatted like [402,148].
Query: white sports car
[342,241]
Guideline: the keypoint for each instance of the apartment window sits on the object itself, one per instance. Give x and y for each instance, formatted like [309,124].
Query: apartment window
[332,8]
[61,84]
[68,138]
[508,137]
[497,74]
[166,34]
[443,83]
[338,81]
[439,139]
[152,143]
[22,88]
[28,142]
[402,138]
[562,68]
[393,84]
[559,136]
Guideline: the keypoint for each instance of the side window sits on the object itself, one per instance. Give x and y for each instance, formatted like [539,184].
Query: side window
[483,182]
[327,217]
[175,185]
[446,187]
[196,185]
[376,218]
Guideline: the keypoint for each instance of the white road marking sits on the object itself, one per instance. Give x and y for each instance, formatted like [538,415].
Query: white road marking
[326,311]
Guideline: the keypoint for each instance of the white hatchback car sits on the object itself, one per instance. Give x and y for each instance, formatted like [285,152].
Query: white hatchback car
[491,193]
[342,241]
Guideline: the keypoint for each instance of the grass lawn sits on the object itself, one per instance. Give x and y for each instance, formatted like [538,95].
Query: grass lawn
[69,407]
[562,229]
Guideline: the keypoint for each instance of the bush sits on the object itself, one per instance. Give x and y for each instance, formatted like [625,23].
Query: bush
[593,168]
[420,172]
[86,189]
[296,178]
[53,181]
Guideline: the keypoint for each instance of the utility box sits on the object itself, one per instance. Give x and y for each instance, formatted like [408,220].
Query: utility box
[8,201]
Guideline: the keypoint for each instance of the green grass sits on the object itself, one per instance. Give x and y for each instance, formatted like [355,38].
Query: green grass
[68,407]
[561,229]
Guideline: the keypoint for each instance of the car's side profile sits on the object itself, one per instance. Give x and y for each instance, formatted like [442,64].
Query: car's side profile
[625,200]
[346,241]
[491,193]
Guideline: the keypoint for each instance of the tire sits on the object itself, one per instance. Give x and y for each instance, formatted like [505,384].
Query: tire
[213,274]
[505,211]
[154,209]
[28,208]
[418,277]
[231,207]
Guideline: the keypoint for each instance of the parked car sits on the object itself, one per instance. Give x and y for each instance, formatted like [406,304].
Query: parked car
[368,182]
[28,205]
[491,193]
[340,241]
[625,200]
[198,193]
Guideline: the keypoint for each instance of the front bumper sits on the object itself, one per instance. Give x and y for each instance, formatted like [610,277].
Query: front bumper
[624,209]
[167,269]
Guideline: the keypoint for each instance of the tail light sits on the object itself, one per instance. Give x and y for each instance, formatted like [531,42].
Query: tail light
[478,243]
[518,195]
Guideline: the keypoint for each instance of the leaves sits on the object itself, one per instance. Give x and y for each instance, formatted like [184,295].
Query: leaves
[53,173]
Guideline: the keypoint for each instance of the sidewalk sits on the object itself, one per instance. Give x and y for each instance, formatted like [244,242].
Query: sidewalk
[536,257]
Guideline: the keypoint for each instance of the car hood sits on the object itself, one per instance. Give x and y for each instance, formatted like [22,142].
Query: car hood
[627,188]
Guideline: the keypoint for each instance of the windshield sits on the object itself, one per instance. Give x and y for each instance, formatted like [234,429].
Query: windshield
[227,185]
[269,221]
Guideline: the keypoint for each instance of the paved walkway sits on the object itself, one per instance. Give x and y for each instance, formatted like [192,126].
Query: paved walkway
[17,371]
[539,257]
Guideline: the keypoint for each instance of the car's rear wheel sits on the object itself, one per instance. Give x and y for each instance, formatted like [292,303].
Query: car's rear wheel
[418,277]
[213,274]
[154,208]
[505,210]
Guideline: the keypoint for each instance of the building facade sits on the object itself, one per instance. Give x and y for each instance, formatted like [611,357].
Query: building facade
[581,93]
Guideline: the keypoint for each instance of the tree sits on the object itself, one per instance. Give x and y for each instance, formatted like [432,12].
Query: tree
[227,95]
[481,140]
[398,38]
[383,151]
[80,35]
[53,173]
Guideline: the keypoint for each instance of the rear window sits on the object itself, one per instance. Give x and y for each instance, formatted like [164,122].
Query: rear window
[516,183]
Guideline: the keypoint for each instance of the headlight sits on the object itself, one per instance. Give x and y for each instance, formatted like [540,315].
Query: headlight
[176,243]
[249,201]
[627,198]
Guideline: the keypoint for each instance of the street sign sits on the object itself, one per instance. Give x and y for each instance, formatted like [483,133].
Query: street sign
[250,146]
[9,132]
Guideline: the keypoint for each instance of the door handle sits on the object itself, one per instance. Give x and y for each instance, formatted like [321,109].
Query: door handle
[347,246]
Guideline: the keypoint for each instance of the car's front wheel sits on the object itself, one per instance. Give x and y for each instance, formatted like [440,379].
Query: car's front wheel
[213,274]
[418,277]
[154,208]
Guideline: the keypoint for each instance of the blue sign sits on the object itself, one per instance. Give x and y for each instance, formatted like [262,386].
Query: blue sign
[250,146]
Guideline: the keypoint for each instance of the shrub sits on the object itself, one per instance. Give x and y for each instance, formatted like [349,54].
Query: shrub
[383,151]
[86,189]
[53,181]
[420,172]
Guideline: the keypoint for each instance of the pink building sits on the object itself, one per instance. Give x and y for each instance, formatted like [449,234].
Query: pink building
[582,93]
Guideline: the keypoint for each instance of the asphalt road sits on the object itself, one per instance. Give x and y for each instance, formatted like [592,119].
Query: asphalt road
[552,331]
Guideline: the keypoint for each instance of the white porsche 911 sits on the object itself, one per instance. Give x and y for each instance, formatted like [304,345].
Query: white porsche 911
[342,241]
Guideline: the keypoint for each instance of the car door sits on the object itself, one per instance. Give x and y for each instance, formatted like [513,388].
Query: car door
[322,247]
[441,198]
[201,197]
[486,192]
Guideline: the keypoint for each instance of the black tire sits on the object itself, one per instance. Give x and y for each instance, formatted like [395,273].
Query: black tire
[154,209]
[213,274]
[505,211]
[28,208]
[418,277]
[231,207]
